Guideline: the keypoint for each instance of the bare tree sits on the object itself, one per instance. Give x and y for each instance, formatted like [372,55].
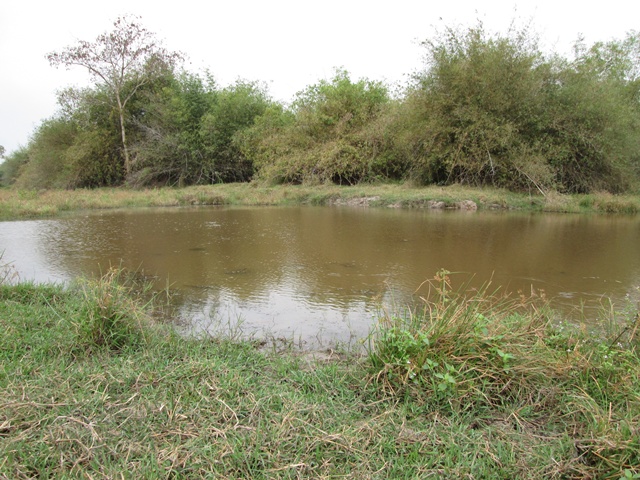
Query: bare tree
[124,60]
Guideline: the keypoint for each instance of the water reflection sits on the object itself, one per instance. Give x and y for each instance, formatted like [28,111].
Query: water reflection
[323,272]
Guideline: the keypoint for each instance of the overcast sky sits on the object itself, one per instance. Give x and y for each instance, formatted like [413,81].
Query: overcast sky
[288,44]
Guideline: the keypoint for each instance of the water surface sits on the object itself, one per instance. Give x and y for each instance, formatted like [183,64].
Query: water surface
[320,274]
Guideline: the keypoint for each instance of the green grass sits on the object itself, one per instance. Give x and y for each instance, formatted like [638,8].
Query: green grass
[32,204]
[525,399]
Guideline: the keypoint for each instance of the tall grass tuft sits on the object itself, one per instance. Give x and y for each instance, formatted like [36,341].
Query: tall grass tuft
[466,347]
[114,313]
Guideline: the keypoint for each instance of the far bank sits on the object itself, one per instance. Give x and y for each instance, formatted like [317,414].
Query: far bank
[16,204]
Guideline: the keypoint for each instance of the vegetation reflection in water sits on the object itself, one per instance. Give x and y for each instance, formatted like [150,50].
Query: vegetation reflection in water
[319,275]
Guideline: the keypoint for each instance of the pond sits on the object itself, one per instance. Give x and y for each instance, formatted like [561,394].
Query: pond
[319,275]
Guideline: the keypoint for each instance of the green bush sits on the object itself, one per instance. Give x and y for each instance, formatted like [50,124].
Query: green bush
[168,148]
[187,132]
[77,148]
[475,105]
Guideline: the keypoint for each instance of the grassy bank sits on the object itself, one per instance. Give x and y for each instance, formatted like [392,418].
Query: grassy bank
[91,386]
[33,204]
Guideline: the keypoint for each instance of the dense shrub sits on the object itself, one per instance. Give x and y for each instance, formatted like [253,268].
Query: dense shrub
[47,165]
[592,120]
[235,109]
[11,168]
[329,137]
[491,109]
[169,148]
[187,132]
[474,106]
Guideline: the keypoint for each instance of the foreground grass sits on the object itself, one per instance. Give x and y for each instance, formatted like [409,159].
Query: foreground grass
[30,204]
[92,387]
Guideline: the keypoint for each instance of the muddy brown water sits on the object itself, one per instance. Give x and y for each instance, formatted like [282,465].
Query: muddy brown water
[317,275]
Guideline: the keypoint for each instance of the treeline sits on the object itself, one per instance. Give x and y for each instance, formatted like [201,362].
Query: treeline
[486,109]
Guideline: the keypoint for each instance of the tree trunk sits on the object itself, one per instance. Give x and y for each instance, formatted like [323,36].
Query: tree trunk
[127,161]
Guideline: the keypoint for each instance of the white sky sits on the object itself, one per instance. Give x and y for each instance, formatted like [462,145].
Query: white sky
[288,44]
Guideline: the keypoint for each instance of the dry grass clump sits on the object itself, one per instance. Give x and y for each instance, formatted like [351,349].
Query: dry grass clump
[608,203]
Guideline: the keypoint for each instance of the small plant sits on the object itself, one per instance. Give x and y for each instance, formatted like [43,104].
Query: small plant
[629,475]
